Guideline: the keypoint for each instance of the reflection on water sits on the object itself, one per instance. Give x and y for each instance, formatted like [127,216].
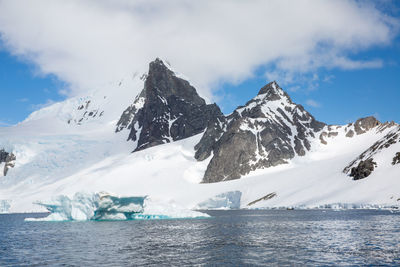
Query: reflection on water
[314,237]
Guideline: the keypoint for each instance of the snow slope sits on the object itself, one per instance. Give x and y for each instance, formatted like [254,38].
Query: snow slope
[169,173]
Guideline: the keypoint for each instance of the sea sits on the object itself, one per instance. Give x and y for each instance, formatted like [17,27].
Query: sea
[227,238]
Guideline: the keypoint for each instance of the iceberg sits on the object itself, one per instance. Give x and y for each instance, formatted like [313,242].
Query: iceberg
[4,205]
[227,200]
[103,206]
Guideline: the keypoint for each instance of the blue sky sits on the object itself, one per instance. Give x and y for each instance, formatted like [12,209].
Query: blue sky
[339,65]
[22,90]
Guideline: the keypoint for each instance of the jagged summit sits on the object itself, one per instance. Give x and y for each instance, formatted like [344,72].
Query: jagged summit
[161,81]
[272,92]
[167,109]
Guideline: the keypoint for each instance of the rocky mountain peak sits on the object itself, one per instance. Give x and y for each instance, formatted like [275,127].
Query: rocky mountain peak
[167,109]
[365,124]
[162,81]
[272,92]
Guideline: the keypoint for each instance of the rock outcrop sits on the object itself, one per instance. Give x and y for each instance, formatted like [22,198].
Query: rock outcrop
[359,127]
[364,164]
[8,159]
[85,112]
[168,109]
[396,159]
[266,197]
[269,130]
[363,125]
[363,169]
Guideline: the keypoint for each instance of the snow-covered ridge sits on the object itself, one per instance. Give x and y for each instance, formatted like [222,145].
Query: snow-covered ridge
[99,106]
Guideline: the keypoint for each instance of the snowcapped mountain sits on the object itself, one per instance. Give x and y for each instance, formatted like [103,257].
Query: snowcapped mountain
[269,130]
[152,135]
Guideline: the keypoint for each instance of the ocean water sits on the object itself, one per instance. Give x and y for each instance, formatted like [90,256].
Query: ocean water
[239,238]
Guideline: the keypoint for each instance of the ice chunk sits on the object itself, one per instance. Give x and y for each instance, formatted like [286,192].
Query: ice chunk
[227,200]
[162,210]
[80,208]
[104,206]
[117,208]
[4,206]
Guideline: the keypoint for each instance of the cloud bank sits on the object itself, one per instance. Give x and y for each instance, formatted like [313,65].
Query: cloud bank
[87,43]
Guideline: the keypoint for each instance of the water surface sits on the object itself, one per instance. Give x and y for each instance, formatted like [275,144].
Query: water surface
[311,237]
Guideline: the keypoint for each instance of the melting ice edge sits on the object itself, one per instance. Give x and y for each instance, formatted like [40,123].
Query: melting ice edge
[103,206]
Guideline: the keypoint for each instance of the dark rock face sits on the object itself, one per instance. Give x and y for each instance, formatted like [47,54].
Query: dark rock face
[269,130]
[168,109]
[363,169]
[266,197]
[8,159]
[3,155]
[396,159]
[362,162]
[365,124]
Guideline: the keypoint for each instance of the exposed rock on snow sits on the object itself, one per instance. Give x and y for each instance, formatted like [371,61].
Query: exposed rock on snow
[87,113]
[359,127]
[267,197]
[364,164]
[168,109]
[269,130]
[396,159]
[365,124]
[8,159]
[363,170]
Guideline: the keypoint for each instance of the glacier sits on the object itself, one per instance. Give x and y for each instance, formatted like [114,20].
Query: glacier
[103,206]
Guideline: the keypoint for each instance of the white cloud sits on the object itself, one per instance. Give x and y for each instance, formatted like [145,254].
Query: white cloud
[87,43]
[313,103]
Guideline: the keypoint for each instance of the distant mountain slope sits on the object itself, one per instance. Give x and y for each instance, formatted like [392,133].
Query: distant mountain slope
[385,153]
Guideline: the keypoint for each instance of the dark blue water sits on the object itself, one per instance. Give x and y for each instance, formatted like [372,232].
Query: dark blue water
[275,237]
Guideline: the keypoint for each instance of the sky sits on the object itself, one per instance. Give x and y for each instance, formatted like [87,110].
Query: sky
[339,59]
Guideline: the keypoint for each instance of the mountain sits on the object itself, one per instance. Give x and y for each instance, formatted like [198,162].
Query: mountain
[151,134]
[168,109]
[269,130]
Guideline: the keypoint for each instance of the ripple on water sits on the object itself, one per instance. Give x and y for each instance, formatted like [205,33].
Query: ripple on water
[355,237]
